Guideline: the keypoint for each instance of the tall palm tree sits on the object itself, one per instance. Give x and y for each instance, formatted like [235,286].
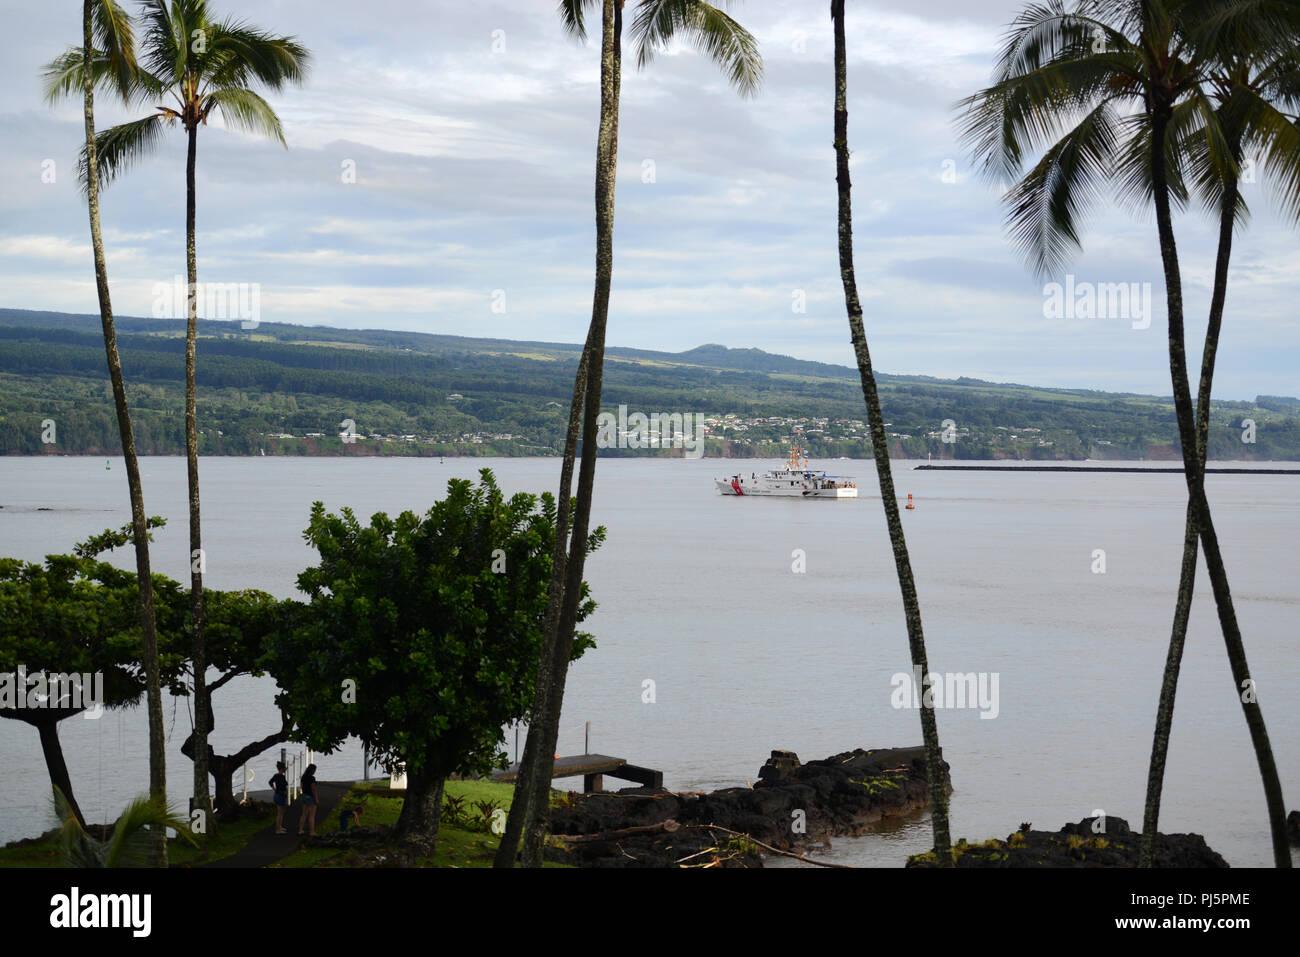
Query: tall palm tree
[735,50]
[107,56]
[880,449]
[191,66]
[1124,81]
[1252,87]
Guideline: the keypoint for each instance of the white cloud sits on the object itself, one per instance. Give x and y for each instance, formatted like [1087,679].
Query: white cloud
[474,172]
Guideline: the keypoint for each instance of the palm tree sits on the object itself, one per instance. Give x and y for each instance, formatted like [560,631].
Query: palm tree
[195,66]
[1251,87]
[1125,82]
[107,56]
[880,449]
[733,48]
[125,846]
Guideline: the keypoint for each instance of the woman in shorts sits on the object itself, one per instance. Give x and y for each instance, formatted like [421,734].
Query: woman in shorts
[280,795]
[309,801]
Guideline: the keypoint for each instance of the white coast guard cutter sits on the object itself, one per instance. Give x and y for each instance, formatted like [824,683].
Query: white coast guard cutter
[795,480]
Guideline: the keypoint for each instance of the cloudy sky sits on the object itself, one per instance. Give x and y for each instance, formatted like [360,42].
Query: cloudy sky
[471,128]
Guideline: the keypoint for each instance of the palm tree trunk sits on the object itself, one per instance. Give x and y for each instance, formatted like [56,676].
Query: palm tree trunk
[1243,685]
[140,534]
[506,851]
[880,449]
[545,725]
[1191,538]
[538,808]
[202,700]
[1168,689]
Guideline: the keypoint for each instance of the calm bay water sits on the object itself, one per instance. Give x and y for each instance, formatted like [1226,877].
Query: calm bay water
[697,593]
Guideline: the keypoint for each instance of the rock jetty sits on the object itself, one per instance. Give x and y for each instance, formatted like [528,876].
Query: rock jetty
[792,805]
[1093,842]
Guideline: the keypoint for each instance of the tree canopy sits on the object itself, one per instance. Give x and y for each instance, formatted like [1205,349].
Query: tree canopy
[421,633]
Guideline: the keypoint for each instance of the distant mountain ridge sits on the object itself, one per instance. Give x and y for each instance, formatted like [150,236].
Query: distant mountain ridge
[709,355]
[283,389]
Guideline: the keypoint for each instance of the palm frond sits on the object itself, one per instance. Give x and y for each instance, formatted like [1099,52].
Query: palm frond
[573,15]
[1047,33]
[165,41]
[1274,138]
[243,109]
[1187,155]
[1280,81]
[1209,146]
[62,77]
[1045,207]
[1230,30]
[65,74]
[1022,114]
[709,29]
[118,147]
[128,845]
[114,35]
[240,55]
[77,847]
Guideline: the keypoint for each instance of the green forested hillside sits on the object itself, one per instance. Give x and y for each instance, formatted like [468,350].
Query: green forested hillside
[283,389]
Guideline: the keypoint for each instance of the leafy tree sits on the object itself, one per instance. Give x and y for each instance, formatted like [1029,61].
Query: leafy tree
[880,448]
[241,626]
[77,615]
[1111,89]
[191,66]
[733,48]
[420,633]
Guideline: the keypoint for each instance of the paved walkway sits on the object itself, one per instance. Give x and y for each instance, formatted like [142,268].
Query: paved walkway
[267,847]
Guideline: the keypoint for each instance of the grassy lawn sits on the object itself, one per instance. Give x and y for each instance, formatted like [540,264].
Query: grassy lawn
[230,838]
[458,846]
[44,852]
[41,853]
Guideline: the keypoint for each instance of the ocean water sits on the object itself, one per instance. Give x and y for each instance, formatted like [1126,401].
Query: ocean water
[702,595]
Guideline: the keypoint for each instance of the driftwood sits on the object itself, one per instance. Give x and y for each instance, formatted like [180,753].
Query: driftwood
[671,826]
[777,850]
[668,826]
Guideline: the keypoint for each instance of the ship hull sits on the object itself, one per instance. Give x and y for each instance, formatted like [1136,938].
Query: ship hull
[797,490]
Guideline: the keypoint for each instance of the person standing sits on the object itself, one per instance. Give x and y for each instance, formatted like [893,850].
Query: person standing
[280,795]
[310,801]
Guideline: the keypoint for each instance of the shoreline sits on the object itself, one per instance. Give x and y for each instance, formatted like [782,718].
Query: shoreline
[1097,468]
